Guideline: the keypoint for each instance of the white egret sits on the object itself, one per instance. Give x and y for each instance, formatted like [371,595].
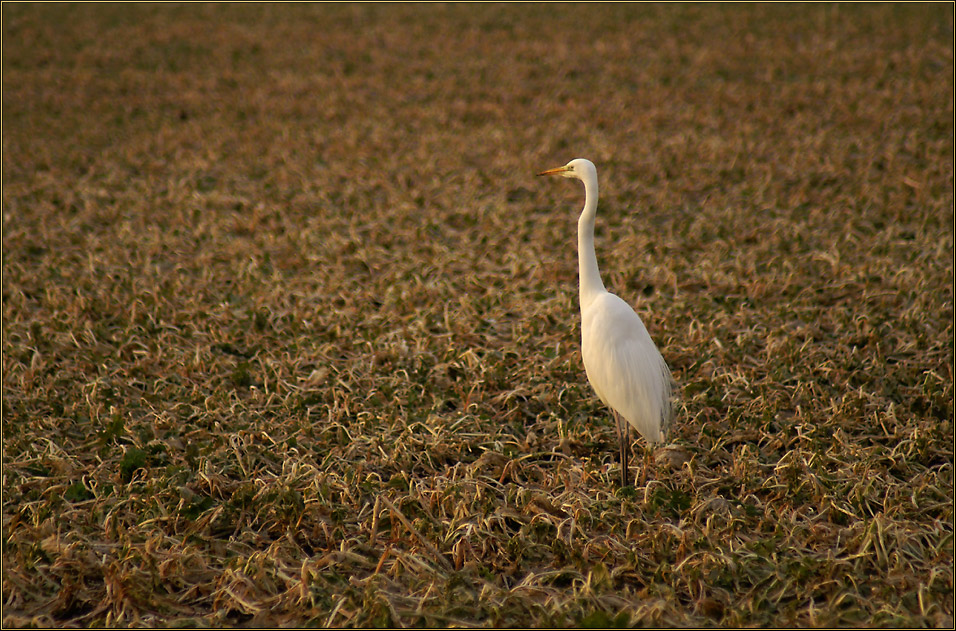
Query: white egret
[621,361]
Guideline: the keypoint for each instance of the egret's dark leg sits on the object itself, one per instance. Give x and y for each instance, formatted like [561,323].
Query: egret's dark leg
[627,447]
[623,436]
[617,430]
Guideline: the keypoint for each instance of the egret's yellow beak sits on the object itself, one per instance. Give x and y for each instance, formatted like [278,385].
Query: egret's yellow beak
[556,171]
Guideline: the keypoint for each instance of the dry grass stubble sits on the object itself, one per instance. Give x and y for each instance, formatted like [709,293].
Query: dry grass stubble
[290,332]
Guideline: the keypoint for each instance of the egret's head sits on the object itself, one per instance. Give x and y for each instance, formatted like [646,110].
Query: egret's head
[578,168]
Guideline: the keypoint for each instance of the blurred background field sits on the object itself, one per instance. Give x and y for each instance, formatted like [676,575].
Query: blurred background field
[291,334]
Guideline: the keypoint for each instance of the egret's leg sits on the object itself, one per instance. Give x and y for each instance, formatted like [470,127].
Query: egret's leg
[623,436]
[627,446]
[617,430]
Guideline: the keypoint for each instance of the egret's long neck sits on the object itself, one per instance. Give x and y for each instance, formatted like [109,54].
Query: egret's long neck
[590,276]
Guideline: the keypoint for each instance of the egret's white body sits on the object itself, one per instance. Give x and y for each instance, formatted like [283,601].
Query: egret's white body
[621,361]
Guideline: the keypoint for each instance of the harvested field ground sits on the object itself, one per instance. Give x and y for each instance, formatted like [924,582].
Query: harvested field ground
[291,333]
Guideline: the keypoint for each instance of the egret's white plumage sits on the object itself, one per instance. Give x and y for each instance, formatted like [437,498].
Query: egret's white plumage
[624,367]
[622,363]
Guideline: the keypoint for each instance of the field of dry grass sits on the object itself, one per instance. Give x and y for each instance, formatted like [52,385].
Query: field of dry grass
[291,334]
